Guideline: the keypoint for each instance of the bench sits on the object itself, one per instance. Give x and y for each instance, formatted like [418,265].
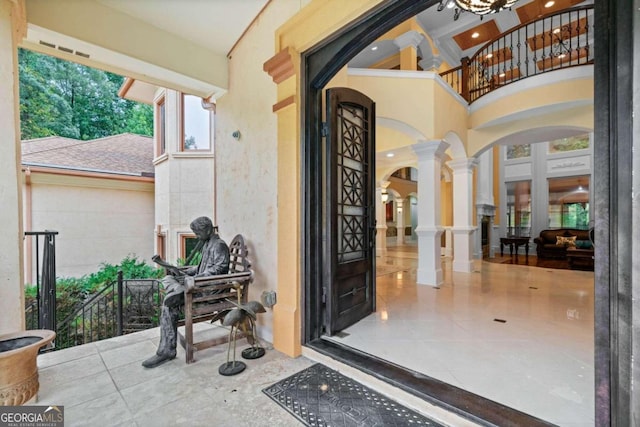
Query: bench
[207,298]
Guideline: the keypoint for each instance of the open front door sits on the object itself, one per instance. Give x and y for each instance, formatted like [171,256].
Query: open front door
[350,208]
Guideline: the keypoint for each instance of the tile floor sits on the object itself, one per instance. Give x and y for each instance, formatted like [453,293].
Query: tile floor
[103,384]
[539,360]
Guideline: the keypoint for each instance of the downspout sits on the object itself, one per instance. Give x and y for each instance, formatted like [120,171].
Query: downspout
[28,222]
[210,105]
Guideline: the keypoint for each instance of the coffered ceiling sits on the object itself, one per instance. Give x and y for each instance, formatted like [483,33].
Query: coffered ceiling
[455,39]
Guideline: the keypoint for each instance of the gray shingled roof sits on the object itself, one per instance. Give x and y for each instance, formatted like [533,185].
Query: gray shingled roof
[119,154]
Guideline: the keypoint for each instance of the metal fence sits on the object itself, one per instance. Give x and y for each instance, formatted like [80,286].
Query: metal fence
[41,314]
[120,307]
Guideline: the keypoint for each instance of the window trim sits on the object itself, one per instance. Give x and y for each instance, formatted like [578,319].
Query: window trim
[181,148]
[160,125]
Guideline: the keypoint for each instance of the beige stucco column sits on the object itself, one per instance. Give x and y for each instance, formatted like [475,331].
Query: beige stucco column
[286,313]
[430,155]
[408,45]
[11,271]
[381,219]
[463,227]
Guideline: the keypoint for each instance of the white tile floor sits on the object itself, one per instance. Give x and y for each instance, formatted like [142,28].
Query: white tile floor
[540,361]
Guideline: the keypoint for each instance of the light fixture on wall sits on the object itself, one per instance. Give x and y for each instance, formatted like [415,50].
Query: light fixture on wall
[477,7]
[384,196]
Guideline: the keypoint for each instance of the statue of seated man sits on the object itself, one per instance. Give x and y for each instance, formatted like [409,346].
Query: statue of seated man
[215,260]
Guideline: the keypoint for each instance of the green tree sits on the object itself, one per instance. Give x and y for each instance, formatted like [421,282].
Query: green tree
[68,99]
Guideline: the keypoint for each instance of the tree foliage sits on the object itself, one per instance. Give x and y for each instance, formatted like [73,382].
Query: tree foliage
[67,99]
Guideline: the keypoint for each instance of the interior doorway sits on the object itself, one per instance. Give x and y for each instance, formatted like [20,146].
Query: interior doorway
[318,70]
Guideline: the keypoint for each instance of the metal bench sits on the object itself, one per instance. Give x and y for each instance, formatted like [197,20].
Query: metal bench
[207,298]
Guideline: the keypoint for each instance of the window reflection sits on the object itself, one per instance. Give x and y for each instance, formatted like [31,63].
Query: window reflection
[196,124]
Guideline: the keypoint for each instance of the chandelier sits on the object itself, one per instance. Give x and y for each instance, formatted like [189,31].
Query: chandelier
[478,7]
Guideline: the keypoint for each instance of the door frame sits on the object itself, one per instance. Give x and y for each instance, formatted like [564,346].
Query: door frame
[614,80]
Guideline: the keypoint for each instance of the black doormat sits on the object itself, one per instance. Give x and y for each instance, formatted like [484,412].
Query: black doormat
[320,396]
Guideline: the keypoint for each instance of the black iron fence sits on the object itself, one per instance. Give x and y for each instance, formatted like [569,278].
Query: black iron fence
[558,40]
[120,307]
[41,313]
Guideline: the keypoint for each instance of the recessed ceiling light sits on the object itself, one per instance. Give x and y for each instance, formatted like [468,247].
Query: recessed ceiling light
[374,48]
[475,35]
[549,3]
[501,75]
[451,4]
[489,56]
[390,154]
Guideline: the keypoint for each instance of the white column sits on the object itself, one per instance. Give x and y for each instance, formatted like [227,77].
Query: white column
[462,214]
[484,196]
[429,229]
[11,269]
[381,220]
[400,221]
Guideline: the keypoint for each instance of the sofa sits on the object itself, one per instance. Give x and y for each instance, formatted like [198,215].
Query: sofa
[554,243]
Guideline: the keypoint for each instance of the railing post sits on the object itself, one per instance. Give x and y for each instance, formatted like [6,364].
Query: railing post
[465,78]
[120,298]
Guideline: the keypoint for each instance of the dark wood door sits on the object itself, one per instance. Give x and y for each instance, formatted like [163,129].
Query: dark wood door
[350,208]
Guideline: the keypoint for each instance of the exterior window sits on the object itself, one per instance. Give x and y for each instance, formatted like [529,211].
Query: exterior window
[569,202]
[187,244]
[580,142]
[161,245]
[518,151]
[161,142]
[518,208]
[196,124]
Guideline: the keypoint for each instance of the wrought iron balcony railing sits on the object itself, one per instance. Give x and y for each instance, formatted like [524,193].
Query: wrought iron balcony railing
[555,41]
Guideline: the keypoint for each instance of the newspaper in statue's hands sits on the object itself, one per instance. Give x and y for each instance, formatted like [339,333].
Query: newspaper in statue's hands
[171,269]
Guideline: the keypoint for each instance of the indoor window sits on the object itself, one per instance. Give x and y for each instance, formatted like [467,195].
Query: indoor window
[196,124]
[518,208]
[518,151]
[569,202]
[579,142]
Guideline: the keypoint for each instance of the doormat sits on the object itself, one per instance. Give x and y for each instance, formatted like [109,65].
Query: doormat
[319,396]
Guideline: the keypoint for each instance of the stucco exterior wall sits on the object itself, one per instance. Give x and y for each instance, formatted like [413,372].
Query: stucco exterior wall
[247,184]
[11,293]
[98,220]
[185,182]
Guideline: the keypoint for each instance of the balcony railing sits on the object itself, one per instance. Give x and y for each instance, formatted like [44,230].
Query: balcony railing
[556,41]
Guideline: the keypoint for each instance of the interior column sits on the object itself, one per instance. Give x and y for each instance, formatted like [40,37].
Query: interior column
[463,227]
[408,45]
[381,219]
[400,221]
[430,155]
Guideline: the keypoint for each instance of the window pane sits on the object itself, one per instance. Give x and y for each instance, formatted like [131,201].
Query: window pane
[518,208]
[518,151]
[579,142]
[196,124]
[569,202]
[161,128]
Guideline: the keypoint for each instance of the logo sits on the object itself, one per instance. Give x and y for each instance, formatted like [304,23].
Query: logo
[31,416]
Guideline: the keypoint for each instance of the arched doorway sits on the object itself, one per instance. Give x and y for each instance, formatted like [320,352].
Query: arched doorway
[323,61]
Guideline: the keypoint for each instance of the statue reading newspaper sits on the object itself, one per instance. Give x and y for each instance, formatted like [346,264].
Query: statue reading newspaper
[215,260]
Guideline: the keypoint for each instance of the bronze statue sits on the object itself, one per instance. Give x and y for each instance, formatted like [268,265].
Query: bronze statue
[215,260]
[242,317]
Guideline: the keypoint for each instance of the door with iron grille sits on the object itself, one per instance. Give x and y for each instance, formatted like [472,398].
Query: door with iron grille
[350,208]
